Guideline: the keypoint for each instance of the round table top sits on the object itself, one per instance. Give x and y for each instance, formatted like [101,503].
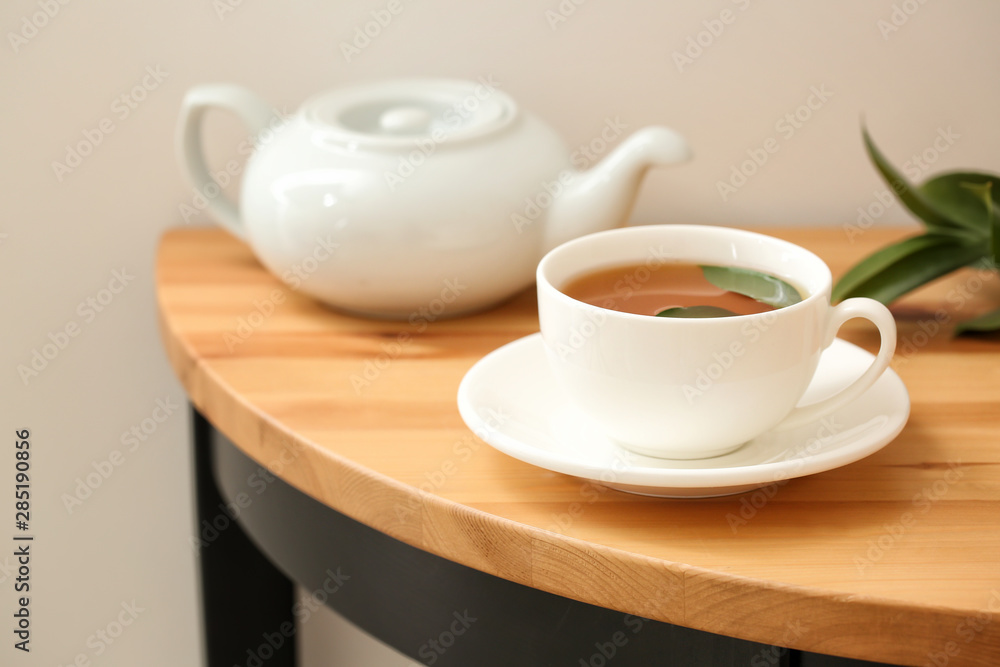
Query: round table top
[894,558]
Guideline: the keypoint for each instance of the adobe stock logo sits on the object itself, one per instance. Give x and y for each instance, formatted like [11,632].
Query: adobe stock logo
[697,44]
[31,25]
[122,107]
[433,649]
[364,34]
[787,126]
[88,309]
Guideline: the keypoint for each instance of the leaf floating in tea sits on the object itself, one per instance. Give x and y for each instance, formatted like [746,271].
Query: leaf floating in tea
[696,311]
[754,284]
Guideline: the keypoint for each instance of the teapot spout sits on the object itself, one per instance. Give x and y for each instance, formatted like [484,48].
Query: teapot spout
[602,197]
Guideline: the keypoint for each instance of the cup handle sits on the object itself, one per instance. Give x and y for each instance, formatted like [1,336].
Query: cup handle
[250,108]
[880,316]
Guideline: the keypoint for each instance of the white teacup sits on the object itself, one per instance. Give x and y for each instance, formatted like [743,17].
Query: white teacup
[696,388]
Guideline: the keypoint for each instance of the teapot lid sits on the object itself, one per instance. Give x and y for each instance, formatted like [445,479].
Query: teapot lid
[396,113]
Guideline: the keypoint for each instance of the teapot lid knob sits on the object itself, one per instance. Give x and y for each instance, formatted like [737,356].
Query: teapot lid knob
[393,114]
[405,119]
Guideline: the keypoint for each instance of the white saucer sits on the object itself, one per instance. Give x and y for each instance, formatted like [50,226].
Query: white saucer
[511,400]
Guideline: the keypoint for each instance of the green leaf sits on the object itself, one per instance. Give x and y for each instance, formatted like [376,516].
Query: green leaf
[870,267]
[754,284]
[965,198]
[897,269]
[696,311]
[912,198]
[991,221]
[983,323]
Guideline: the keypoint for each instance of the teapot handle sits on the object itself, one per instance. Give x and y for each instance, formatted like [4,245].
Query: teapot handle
[254,112]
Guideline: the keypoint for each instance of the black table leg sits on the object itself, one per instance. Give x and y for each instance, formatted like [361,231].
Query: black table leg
[246,601]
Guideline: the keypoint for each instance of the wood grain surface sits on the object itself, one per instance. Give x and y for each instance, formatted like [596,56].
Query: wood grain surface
[894,558]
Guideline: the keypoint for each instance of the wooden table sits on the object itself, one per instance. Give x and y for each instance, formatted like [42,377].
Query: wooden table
[894,558]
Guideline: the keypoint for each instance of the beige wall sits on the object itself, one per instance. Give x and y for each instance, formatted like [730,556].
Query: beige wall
[65,234]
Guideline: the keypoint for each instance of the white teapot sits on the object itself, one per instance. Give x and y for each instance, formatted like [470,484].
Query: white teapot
[417,197]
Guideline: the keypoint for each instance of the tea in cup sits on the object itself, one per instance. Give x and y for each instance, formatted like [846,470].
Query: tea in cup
[720,368]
